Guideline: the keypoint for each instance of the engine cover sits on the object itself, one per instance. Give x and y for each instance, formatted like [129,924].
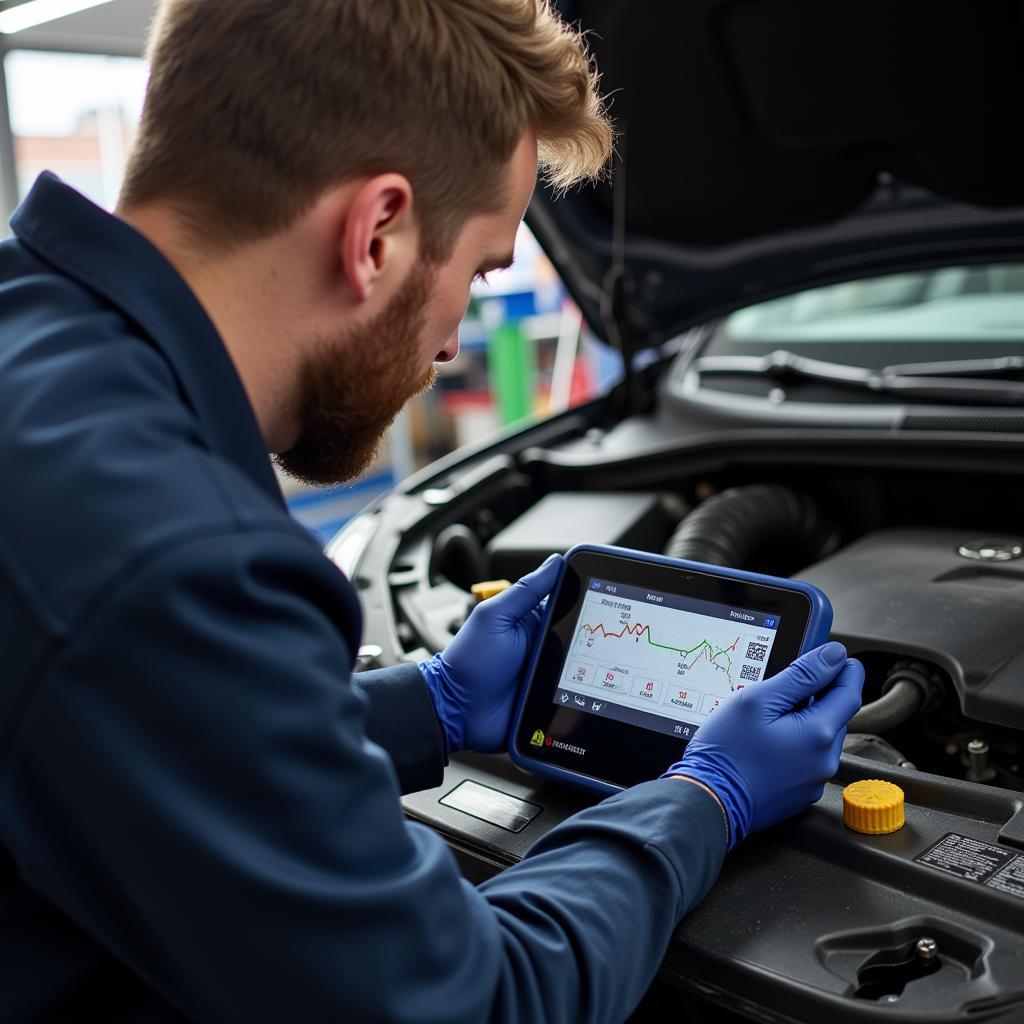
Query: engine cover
[910,592]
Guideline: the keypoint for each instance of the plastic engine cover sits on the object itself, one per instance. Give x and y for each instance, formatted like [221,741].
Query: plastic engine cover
[909,592]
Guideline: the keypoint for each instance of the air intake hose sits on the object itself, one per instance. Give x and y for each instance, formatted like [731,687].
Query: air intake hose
[730,527]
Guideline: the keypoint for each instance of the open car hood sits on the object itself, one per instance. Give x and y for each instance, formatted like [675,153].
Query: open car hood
[768,146]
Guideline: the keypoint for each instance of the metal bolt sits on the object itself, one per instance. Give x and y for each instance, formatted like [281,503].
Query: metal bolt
[979,769]
[927,948]
[988,549]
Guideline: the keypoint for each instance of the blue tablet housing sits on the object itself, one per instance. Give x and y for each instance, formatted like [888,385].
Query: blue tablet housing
[606,740]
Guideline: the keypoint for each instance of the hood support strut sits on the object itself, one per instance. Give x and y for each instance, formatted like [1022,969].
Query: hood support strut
[615,288]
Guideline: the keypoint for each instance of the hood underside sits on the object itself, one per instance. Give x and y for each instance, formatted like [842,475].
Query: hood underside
[767,146]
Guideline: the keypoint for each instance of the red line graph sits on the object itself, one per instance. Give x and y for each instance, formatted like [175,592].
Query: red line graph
[704,647]
[637,630]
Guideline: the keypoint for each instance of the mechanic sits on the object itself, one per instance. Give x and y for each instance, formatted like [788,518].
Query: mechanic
[199,813]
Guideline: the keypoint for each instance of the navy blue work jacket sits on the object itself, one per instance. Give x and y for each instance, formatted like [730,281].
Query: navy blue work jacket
[199,806]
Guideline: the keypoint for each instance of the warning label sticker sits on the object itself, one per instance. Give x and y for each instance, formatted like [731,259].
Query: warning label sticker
[1010,878]
[976,861]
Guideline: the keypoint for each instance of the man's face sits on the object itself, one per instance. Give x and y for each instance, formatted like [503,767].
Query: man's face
[352,386]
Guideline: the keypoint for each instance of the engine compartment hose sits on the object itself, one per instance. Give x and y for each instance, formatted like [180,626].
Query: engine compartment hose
[906,689]
[728,528]
[458,556]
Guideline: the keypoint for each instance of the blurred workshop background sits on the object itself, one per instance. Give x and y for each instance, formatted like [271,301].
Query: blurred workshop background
[70,97]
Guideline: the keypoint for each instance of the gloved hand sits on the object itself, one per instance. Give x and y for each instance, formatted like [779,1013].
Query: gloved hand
[764,760]
[475,680]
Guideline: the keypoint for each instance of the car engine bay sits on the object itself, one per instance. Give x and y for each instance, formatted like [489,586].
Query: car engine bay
[912,536]
[927,585]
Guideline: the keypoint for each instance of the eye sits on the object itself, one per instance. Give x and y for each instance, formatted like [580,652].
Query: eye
[481,276]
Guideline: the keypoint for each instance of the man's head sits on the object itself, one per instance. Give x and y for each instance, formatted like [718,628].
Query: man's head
[354,163]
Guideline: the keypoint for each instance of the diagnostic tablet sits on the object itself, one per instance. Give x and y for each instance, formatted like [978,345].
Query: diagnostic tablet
[637,650]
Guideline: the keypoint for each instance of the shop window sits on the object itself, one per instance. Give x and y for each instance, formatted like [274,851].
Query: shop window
[74,114]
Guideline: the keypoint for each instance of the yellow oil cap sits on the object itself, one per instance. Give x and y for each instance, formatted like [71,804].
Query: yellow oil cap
[873,807]
[489,588]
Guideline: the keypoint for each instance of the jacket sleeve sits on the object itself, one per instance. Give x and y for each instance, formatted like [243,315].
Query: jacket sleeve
[401,718]
[192,783]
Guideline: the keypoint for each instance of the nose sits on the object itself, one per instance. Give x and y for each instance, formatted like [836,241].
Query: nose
[450,350]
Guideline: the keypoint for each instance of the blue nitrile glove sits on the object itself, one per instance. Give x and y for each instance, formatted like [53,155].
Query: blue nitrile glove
[764,760]
[475,680]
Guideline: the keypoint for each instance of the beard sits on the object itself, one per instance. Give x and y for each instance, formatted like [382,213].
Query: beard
[353,386]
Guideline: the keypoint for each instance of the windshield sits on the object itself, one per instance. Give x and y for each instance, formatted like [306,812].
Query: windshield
[952,304]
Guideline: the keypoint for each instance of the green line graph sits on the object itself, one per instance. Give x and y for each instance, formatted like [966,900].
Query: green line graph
[704,649]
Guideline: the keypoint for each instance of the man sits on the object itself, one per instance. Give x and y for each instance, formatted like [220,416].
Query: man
[198,804]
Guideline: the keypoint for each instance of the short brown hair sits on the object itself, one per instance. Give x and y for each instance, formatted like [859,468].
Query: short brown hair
[255,107]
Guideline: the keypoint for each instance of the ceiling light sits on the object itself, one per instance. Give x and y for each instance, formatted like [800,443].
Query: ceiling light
[38,12]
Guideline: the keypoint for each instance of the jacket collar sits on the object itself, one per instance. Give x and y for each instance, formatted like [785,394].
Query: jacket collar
[115,261]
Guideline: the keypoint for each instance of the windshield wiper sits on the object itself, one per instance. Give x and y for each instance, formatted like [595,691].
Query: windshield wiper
[1000,368]
[965,380]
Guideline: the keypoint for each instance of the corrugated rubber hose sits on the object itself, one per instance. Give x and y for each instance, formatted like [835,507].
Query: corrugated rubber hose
[730,527]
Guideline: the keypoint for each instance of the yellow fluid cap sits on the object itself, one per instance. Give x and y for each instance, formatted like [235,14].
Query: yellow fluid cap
[873,807]
[489,588]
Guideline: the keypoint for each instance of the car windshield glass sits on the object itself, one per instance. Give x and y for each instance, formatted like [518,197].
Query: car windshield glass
[953,304]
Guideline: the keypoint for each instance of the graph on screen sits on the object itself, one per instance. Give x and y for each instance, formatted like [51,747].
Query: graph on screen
[661,653]
[715,653]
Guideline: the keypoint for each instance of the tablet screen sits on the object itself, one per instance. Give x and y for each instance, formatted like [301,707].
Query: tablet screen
[658,660]
[639,650]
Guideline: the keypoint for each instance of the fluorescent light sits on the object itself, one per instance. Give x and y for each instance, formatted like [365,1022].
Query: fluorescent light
[38,12]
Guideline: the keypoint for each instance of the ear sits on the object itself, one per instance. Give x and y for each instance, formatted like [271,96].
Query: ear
[378,238]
